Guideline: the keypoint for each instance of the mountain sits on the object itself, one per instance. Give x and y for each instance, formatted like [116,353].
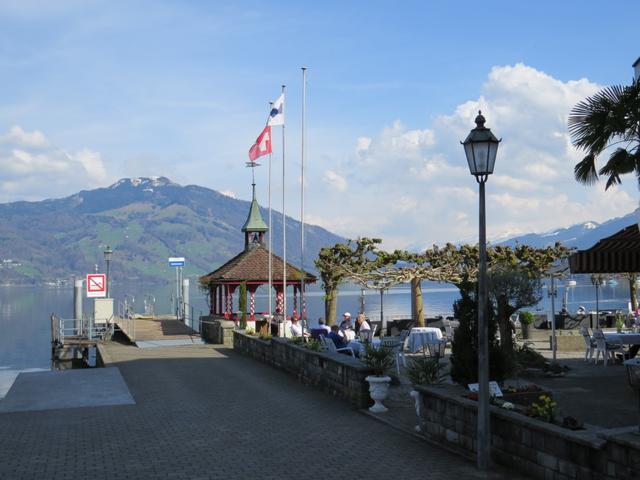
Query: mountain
[145,221]
[581,235]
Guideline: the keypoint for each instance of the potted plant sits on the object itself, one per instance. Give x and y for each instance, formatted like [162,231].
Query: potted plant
[378,360]
[526,319]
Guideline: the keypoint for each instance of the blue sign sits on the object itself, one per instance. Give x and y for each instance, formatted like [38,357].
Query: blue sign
[176,261]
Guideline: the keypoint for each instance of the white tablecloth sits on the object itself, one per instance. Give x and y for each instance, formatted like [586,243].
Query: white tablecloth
[626,338]
[420,336]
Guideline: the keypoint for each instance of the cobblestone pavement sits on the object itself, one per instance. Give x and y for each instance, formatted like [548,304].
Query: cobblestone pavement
[205,413]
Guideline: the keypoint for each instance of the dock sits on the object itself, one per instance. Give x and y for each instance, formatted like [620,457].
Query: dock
[156,331]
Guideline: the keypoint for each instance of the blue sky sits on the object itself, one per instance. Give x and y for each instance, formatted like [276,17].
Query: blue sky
[93,91]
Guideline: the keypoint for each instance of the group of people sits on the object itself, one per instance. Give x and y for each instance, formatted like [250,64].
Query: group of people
[341,334]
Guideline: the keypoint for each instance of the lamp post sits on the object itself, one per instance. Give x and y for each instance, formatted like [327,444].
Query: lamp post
[480,148]
[107,260]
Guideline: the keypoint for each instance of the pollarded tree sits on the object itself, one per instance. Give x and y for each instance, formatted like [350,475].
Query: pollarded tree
[336,265]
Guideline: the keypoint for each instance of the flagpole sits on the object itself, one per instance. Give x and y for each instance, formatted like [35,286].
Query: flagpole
[284,228]
[304,106]
[270,249]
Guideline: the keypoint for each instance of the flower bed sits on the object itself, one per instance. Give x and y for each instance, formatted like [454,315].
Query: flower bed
[544,450]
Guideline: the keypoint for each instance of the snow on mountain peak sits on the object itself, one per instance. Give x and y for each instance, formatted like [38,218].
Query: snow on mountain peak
[146,182]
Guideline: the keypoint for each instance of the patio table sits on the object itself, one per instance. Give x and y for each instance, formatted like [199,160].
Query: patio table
[421,336]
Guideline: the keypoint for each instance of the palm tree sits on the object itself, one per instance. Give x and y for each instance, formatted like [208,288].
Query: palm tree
[605,120]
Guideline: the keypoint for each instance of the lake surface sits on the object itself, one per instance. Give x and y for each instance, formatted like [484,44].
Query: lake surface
[25,326]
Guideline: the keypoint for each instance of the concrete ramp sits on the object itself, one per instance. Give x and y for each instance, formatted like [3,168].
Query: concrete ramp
[90,387]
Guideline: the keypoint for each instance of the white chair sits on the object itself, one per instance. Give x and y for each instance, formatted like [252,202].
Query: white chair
[328,346]
[604,347]
[589,343]
[397,345]
[367,335]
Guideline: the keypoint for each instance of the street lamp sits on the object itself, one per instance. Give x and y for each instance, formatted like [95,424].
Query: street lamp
[480,148]
[107,260]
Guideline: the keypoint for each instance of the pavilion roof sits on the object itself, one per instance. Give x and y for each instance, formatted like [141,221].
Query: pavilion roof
[619,253]
[252,265]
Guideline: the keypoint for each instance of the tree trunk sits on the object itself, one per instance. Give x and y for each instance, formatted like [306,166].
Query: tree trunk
[633,296]
[417,305]
[504,324]
[330,304]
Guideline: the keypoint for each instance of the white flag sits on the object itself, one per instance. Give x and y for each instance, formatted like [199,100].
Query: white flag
[276,116]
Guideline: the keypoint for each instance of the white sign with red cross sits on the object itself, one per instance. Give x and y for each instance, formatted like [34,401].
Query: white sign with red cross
[96,285]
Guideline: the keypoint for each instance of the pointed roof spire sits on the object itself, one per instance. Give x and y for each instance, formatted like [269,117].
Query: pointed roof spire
[254,222]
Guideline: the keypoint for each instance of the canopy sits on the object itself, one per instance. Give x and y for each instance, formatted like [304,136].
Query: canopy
[619,253]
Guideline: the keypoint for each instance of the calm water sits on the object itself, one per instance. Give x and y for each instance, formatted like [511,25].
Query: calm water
[25,328]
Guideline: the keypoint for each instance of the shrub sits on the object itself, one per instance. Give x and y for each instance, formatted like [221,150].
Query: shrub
[526,357]
[464,350]
[424,371]
[378,359]
[526,318]
[313,345]
[265,336]
[250,331]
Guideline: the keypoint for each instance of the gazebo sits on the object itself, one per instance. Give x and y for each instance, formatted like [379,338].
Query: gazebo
[251,267]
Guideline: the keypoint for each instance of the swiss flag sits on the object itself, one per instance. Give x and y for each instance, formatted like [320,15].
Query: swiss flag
[262,145]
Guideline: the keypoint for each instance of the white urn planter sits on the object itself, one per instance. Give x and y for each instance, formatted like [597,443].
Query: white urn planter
[378,389]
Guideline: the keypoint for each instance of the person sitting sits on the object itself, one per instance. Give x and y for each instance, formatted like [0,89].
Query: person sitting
[337,337]
[296,328]
[322,325]
[346,322]
[361,323]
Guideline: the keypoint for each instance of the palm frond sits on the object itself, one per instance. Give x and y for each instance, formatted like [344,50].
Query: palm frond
[599,119]
[585,170]
[620,162]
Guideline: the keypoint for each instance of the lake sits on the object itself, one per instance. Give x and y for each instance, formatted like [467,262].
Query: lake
[25,325]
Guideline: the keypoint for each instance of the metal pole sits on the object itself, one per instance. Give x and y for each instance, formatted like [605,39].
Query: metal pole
[107,261]
[284,229]
[484,424]
[77,305]
[381,307]
[185,299]
[552,294]
[304,113]
[597,303]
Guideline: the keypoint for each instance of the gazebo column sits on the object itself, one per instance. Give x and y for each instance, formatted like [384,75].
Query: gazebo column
[252,301]
[303,303]
[212,300]
[279,299]
[295,300]
[230,290]
[219,304]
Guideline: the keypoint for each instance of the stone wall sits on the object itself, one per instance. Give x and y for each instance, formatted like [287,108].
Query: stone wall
[217,330]
[540,449]
[336,374]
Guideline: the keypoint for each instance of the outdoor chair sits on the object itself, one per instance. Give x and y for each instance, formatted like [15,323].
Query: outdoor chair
[397,345]
[604,347]
[589,343]
[367,335]
[328,346]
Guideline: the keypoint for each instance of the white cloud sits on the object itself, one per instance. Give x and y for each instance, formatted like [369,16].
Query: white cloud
[412,184]
[32,168]
[229,193]
[334,181]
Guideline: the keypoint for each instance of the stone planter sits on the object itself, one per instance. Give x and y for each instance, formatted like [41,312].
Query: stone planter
[525,398]
[378,389]
[526,331]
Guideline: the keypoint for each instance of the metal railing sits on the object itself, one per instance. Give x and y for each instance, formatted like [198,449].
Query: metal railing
[78,328]
[126,320]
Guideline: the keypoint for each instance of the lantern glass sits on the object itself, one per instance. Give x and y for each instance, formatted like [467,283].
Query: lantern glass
[481,149]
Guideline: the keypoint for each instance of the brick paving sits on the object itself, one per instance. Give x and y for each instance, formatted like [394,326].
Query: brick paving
[207,413]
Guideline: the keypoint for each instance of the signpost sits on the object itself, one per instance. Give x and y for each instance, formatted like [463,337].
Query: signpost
[178,263]
[96,285]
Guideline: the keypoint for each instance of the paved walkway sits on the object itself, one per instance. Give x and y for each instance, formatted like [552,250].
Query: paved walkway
[204,413]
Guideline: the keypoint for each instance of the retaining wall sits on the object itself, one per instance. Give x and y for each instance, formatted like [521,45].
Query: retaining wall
[336,374]
[536,448]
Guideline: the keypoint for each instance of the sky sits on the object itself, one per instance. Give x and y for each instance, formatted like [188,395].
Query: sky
[95,91]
